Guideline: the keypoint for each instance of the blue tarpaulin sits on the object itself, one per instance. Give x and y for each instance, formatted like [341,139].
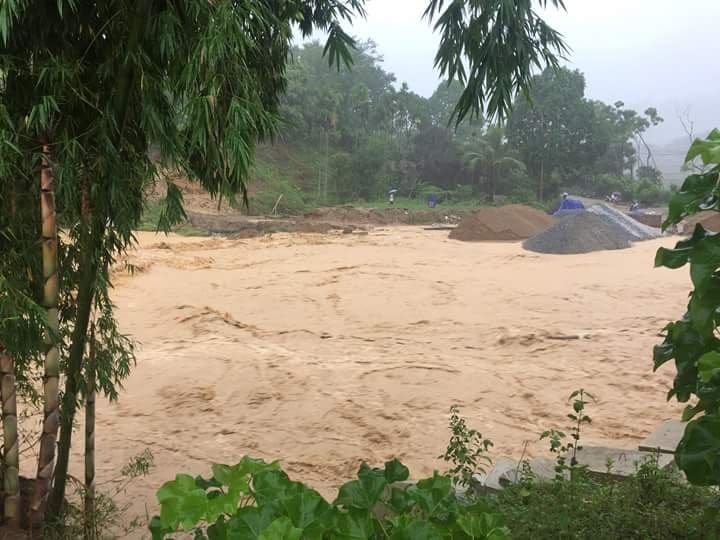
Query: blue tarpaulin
[571,204]
[565,205]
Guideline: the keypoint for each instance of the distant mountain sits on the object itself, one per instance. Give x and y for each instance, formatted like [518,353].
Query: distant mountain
[670,157]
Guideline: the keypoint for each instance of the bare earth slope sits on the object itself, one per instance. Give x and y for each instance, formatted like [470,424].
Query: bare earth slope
[326,350]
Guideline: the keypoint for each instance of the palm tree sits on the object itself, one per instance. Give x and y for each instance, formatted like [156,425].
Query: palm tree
[492,161]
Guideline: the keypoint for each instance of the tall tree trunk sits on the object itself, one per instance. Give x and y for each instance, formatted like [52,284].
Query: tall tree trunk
[90,524]
[11,481]
[86,293]
[52,355]
[90,240]
[542,180]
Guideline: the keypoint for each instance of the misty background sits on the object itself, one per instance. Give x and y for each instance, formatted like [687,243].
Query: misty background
[647,53]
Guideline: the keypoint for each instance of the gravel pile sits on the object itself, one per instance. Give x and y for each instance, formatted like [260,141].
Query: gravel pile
[560,214]
[634,229]
[583,232]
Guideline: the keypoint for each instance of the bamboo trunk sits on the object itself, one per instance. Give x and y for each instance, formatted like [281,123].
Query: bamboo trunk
[90,524]
[52,355]
[78,339]
[11,480]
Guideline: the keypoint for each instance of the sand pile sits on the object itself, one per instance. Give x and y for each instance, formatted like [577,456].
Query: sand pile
[582,233]
[512,222]
[633,228]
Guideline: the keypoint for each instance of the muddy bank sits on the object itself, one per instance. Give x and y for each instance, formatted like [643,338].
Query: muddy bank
[385,216]
[322,220]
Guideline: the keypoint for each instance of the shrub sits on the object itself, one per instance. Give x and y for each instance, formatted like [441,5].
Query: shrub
[257,500]
[653,504]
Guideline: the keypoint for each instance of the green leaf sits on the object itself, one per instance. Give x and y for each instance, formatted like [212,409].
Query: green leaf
[483,526]
[708,150]
[235,478]
[365,492]
[218,530]
[306,507]
[432,495]
[671,258]
[156,529]
[698,454]
[396,472]
[181,503]
[691,411]
[416,530]
[249,522]
[400,501]
[281,529]
[709,365]
[223,503]
[353,525]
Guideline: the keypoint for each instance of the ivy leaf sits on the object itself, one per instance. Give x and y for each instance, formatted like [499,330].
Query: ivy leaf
[306,507]
[698,454]
[396,472]
[281,529]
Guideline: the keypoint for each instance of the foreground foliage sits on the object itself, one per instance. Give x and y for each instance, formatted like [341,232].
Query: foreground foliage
[692,342]
[257,500]
[653,504]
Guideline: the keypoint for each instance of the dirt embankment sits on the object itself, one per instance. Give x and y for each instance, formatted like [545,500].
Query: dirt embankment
[321,220]
[710,220]
[385,216]
[512,222]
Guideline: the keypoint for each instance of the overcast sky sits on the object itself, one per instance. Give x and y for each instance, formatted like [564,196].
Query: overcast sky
[661,53]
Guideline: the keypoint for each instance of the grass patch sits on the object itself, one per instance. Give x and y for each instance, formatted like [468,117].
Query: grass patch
[653,504]
[151,217]
[418,204]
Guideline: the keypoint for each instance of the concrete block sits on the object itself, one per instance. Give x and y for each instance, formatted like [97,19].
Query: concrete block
[665,438]
[624,463]
[502,473]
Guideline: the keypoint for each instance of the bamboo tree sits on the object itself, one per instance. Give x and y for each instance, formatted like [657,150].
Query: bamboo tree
[203,80]
[51,377]
[11,481]
[90,523]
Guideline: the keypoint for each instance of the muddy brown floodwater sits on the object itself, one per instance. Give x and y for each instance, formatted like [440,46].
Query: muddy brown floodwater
[326,350]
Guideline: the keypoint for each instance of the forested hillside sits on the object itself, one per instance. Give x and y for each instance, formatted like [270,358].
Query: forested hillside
[349,136]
